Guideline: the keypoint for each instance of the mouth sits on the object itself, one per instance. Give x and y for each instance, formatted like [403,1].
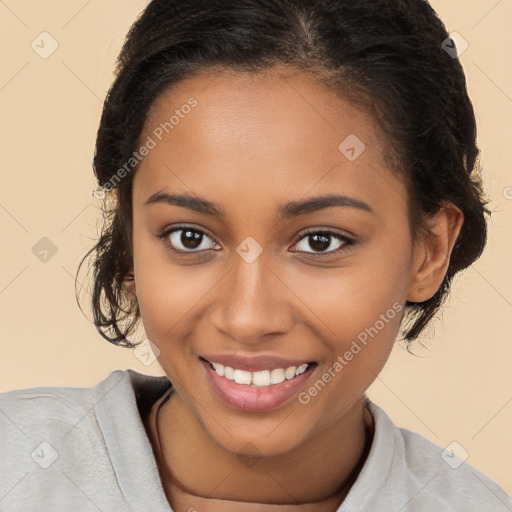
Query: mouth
[256,391]
[261,378]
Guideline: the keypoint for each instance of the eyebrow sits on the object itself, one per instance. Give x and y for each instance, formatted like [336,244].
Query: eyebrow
[286,211]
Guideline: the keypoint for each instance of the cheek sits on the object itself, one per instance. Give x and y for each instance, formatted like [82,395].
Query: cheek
[168,294]
[361,307]
[364,338]
[349,299]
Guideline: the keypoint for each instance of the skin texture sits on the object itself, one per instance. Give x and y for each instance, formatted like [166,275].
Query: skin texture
[251,144]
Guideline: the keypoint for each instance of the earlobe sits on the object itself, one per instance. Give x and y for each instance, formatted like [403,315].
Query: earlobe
[432,253]
[129,284]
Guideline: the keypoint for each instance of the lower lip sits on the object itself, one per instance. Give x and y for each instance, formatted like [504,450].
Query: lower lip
[254,399]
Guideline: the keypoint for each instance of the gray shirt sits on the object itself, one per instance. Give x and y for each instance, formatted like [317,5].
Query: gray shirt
[86,449]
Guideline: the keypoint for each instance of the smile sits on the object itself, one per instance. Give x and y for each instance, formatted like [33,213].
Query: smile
[265,384]
[261,378]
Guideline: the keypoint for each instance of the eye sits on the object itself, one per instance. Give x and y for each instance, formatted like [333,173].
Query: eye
[186,239]
[321,241]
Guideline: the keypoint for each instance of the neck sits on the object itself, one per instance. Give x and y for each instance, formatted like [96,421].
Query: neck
[194,468]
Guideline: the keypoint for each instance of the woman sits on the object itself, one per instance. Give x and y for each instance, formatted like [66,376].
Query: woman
[287,184]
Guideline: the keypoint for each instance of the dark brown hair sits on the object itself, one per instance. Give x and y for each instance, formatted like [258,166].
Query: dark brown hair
[386,54]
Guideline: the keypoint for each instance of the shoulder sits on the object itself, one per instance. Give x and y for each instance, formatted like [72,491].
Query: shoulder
[41,424]
[446,474]
[61,407]
[407,472]
[67,405]
[59,443]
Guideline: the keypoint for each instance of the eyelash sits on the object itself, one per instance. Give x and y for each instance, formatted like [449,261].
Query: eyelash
[347,242]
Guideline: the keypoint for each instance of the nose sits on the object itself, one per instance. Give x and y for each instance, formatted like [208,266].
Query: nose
[252,302]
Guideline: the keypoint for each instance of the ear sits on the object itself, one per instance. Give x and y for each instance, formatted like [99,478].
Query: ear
[129,285]
[432,253]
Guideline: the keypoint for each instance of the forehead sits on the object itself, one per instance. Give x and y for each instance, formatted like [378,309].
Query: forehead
[280,130]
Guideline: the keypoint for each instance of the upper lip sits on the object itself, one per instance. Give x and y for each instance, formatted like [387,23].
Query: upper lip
[255,363]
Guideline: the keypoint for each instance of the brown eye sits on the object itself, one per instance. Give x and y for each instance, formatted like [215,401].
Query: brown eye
[323,242]
[190,239]
[185,239]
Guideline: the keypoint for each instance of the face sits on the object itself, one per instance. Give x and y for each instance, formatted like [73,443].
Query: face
[246,271]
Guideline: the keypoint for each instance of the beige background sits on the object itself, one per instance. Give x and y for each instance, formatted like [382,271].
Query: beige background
[459,389]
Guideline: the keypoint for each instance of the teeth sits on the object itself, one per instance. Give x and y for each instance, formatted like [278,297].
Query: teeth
[289,373]
[242,377]
[261,378]
[301,369]
[229,373]
[277,376]
[219,368]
